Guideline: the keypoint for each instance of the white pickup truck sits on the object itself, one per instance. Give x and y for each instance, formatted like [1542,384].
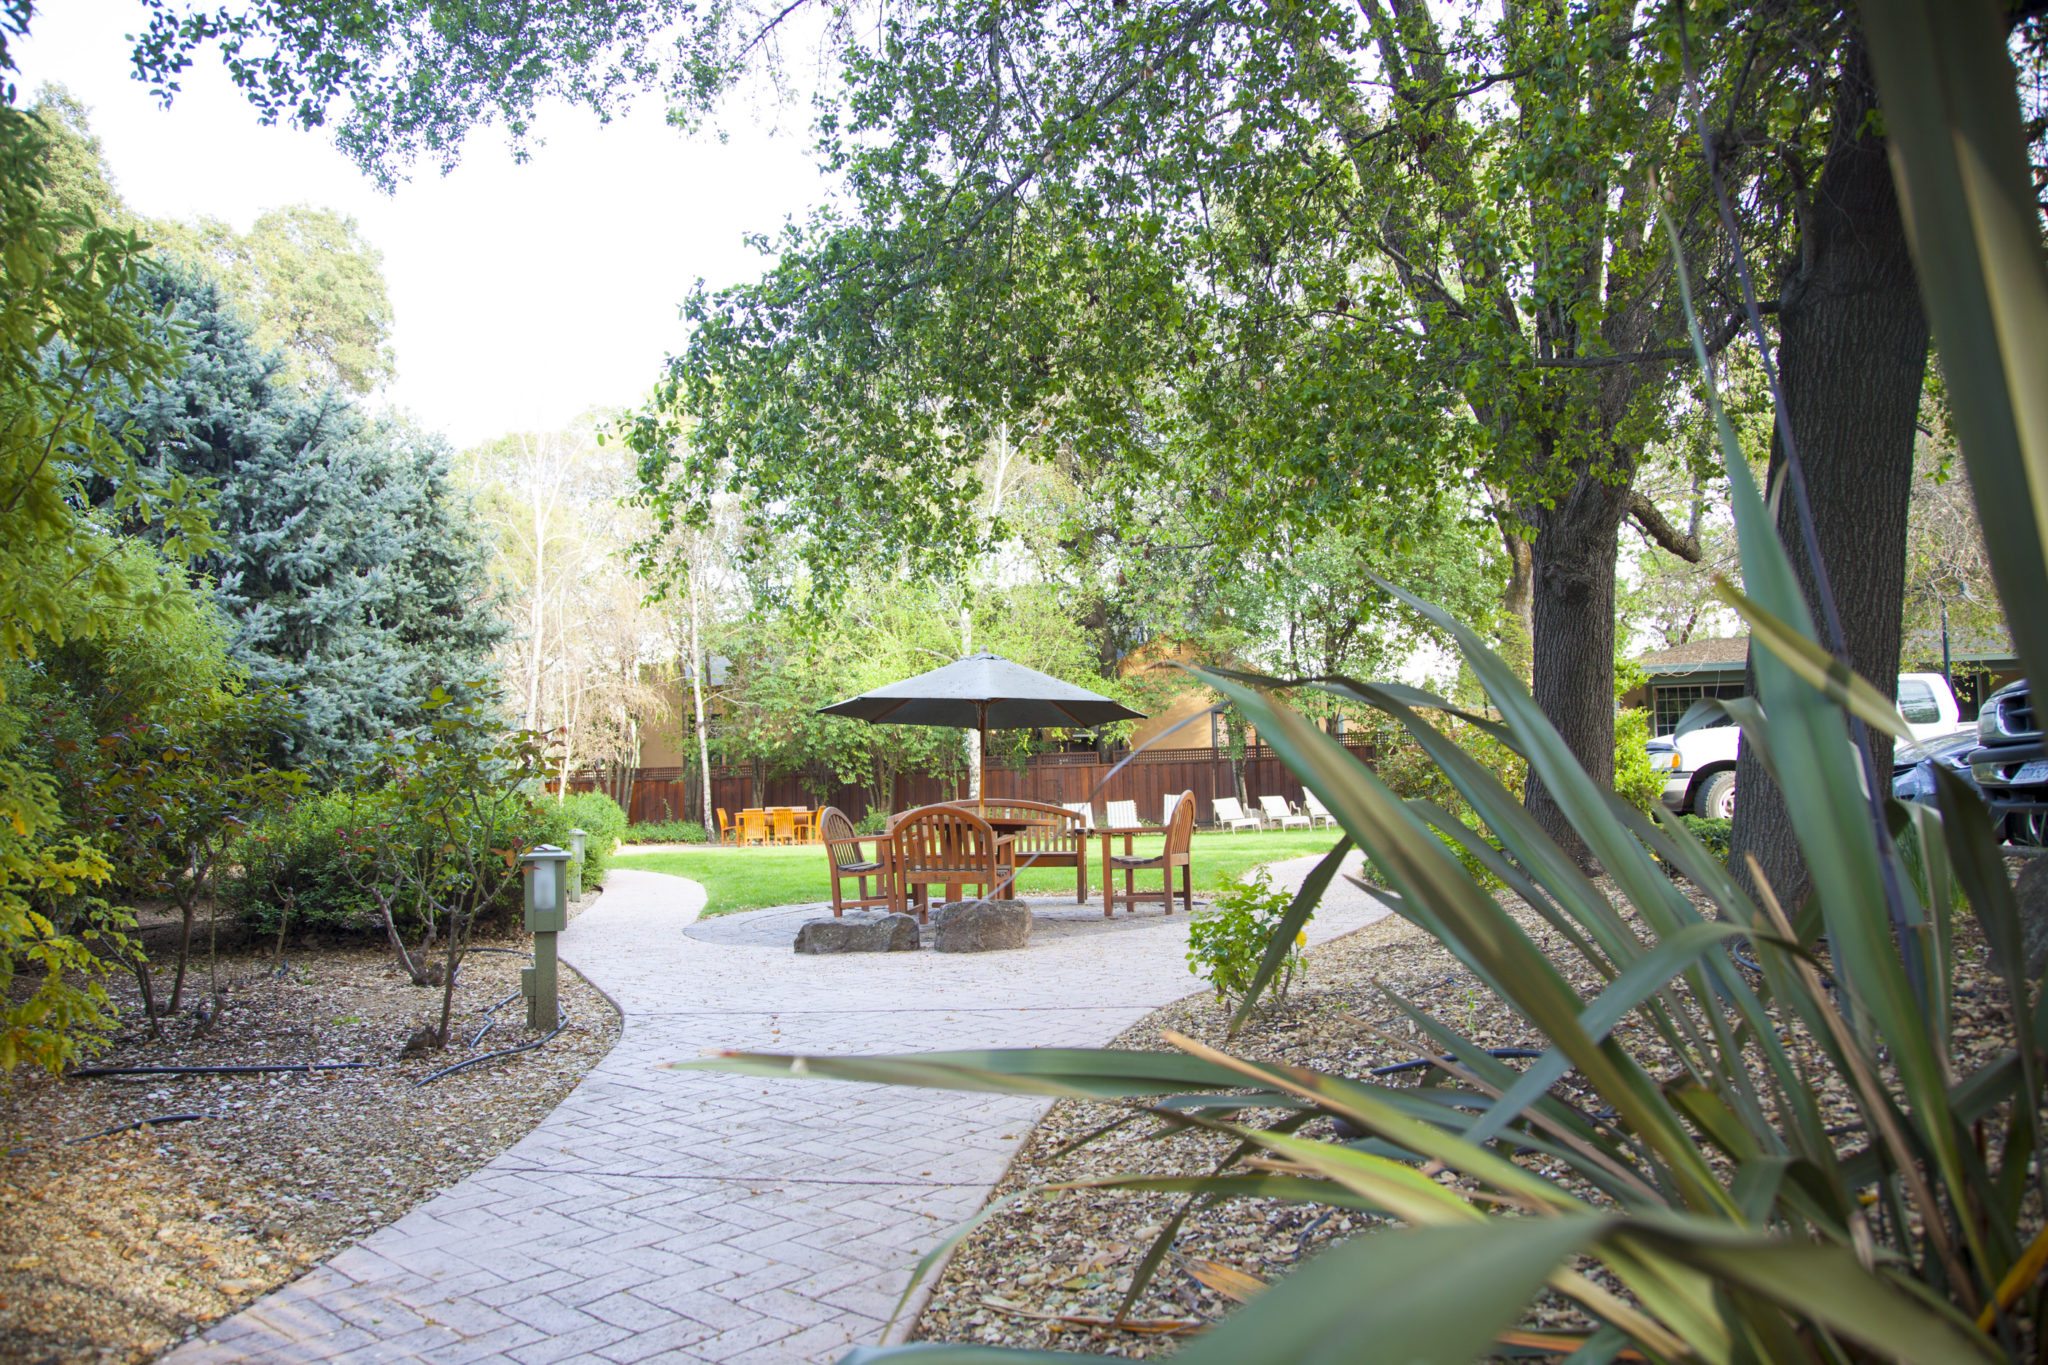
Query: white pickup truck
[1698,759]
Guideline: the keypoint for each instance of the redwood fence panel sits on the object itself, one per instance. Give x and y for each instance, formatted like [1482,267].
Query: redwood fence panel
[1061,779]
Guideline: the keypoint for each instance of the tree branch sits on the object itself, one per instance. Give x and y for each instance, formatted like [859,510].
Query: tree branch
[1644,514]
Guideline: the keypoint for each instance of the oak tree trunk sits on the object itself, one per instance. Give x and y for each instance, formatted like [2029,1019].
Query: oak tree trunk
[1572,640]
[1853,358]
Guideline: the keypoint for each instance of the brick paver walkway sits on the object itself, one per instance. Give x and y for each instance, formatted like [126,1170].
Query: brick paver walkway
[687,1216]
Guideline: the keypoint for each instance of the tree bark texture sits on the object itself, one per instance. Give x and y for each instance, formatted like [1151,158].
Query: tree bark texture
[1853,357]
[1571,673]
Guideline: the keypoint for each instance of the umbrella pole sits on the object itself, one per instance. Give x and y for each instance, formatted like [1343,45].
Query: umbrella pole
[981,755]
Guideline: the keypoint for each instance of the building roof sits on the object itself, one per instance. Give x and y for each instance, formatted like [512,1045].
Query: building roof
[1730,654]
[1712,655]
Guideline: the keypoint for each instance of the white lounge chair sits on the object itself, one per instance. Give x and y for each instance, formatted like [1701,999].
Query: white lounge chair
[1082,809]
[1277,812]
[1121,814]
[1230,815]
[1318,813]
[1166,816]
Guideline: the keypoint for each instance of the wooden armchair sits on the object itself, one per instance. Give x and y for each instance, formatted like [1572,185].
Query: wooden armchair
[782,823]
[753,827]
[849,862]
[948,847]
[728,832]
[1179,833]
[1057,837]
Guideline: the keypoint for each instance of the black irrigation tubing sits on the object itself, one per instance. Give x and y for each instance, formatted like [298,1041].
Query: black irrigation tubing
[1505,1053]
[239,1069]
[433,1076]
[150,1122]
[515,952]
[490,1022]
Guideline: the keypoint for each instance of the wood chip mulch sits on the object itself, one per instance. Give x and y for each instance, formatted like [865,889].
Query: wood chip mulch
[1050,1272]
[117,1247]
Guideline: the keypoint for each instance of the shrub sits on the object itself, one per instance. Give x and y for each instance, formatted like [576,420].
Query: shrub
[667,832]
[1636,781]
[874,822]
[1226,944]
[1712,834]
[295,872]
[604,827]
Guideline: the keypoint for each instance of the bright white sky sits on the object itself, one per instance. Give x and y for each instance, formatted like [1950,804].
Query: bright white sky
[523,294]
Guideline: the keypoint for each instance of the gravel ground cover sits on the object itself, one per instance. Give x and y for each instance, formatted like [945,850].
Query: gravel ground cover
[117,1247]
[1050,1271]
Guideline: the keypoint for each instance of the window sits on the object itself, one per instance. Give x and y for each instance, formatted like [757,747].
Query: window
[1670,701]
[1917,703]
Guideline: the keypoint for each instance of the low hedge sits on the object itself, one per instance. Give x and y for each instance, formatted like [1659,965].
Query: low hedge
[294,870]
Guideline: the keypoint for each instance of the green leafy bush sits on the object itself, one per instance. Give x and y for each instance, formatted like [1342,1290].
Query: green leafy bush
[604,827]
[1712,834]
[874,822]
[667,832]
[1635,780]
[1227,942]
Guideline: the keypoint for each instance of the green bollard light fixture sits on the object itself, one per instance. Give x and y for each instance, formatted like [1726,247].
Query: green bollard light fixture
[545,871]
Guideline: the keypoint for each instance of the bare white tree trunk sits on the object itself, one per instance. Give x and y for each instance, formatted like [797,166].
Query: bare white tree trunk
[699,666]
[973,736]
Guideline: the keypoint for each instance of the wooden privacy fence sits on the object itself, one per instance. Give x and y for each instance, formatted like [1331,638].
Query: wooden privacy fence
[1065,778]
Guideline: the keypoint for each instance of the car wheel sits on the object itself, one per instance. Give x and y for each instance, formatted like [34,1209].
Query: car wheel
[2029,827]
[1717,797]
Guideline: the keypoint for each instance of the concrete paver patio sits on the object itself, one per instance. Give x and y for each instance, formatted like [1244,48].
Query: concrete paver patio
[696,1216]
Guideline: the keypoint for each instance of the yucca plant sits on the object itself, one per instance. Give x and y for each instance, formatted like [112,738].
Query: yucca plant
[1714,1207]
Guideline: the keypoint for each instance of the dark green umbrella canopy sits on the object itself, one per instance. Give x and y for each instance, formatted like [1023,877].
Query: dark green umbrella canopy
[984,691]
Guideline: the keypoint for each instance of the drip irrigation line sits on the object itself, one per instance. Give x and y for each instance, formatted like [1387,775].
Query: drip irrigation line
[150,1122]
[238,1069]
[433,1076]
[1505,1053]
[489,1021]
[512,952]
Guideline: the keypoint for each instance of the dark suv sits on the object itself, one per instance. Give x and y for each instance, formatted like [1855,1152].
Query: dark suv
[2011,765]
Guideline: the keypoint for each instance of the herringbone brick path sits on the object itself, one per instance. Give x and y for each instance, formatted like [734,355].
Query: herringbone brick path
[695,1216]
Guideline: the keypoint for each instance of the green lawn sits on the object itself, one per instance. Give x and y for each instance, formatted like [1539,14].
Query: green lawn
[753,878]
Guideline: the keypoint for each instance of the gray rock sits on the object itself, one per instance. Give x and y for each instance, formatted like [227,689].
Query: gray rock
[859,931]
[982,926]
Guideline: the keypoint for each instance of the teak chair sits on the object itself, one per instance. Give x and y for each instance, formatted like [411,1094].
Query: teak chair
[1179,833]
[1278,812]
[1318,813]
[1230,815]
[728,832]
[753,827]
[849,862]
[948,847]
[1120,814]
[783,821]
[1057,837]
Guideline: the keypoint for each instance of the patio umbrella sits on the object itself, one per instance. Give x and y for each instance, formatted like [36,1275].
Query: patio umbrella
[982,692]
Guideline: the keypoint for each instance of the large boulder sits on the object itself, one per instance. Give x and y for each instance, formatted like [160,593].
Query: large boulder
[982,926]
[858,932]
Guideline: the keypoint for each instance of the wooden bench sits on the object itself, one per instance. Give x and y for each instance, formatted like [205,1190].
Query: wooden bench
[1056,836]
